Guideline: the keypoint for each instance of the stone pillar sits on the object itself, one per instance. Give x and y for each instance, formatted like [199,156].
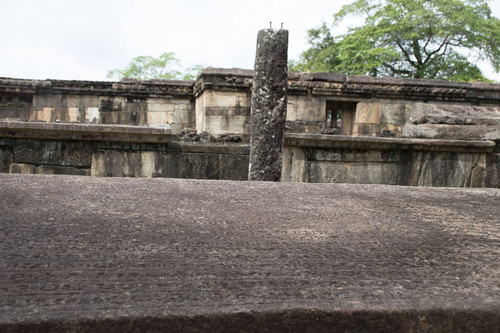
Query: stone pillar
[268,105]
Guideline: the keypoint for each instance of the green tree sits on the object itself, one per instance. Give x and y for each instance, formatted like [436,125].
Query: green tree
[435,39]
[149,68]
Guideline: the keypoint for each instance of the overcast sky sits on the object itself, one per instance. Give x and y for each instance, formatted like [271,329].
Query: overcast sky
[83,40]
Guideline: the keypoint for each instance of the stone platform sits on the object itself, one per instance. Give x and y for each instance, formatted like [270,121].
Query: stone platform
[125,254]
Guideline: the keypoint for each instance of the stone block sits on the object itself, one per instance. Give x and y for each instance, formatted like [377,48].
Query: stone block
[92,115]
[443,169]
[45,114]
[227,111]
[350,156]
[160,105]
[310,108]
[291,108]
[353,172]
[81,101]
[116,163]
[452,132]
[15,106]
[123,118]
[177,128]
[73,114]
[59,170]
[159,117]
[110,118]
[199,166]
[22,168]
[99,166]
[42,100]
[11,114]
[423,113]
[200,113]
[395,129]
[107,104]
[181,114]
[393,114]
[136,105]
[185,101]
[361,129]
[368,113]
[226,98]
[6,158]
[62,153]
[233,167]
[493,170]
[294,165]
[217,125]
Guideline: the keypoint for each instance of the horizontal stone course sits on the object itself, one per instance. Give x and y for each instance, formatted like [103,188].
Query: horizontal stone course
[84,132]
[343,141]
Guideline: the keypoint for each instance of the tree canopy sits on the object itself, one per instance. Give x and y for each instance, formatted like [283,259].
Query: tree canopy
[434,39]
[149,68]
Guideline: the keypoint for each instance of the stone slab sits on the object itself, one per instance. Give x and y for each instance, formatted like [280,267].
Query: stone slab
[115,254]
[88,132]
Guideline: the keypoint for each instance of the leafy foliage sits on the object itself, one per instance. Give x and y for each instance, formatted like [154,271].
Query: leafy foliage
[436,39]
[149,68]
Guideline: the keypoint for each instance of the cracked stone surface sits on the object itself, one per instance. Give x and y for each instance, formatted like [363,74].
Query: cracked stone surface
[101,254]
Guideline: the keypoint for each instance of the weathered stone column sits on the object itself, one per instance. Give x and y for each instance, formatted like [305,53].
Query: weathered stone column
[268,109]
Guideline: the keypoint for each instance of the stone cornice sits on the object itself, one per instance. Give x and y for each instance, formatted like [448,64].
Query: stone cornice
[181,89]
[327,85]
[366,87]
[357,87]
[234,79]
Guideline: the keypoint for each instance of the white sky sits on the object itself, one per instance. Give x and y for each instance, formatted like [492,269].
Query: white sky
[82,40]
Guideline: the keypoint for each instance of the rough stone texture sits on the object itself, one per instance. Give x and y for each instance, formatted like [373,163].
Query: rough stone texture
[493,169]
[433,121]
[367,160]
[213,161]
[6,157]
[117,151]
[157,103]
[15,106]
[122,254]
[268,108]
[51,152]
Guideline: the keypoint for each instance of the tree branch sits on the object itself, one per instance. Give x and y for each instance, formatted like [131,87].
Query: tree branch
[407,56]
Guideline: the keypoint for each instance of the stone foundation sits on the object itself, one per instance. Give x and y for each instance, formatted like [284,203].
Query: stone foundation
[115,151]
[365,160]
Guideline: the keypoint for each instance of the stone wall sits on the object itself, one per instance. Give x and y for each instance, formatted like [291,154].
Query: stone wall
[218,102]
[115,151]
[394,161]
[166,104]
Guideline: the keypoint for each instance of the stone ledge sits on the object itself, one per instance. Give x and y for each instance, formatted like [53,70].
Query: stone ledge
[210,148]
[378,143]
[86,132]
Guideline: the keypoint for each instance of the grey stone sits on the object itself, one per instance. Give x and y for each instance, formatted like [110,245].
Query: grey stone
[53,152]
[6,158]
[268,108]
[374,160]
[123,254]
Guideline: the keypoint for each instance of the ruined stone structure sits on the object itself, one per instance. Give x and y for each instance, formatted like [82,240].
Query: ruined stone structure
[339,128]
